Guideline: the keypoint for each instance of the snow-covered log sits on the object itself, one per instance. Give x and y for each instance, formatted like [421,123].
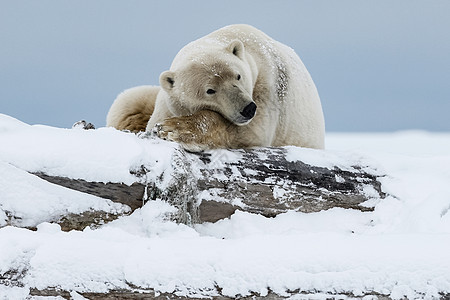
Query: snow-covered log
[398,250]
[141,294]
[212,185]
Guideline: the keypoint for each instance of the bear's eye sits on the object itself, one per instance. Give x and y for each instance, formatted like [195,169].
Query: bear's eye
[238,77]
[210,91]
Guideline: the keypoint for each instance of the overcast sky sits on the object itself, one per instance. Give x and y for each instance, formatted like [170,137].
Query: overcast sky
[378,65]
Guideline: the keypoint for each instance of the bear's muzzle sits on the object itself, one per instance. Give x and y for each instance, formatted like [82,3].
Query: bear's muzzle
[246,115]
[249,111]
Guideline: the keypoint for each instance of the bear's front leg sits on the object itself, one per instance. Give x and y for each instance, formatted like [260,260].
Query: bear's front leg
[200,131]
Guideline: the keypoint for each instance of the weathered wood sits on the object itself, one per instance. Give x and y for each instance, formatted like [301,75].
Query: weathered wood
[148,294]
[91,219]
[263,181]
[209,186]
[116,192]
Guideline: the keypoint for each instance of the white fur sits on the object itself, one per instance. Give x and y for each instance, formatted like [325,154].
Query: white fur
[289,110]
[272,76]
[131,106]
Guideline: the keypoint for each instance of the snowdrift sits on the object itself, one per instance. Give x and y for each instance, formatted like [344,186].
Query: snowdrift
[400,249]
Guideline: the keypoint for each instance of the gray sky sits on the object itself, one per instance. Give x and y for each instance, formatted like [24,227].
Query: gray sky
[378,65]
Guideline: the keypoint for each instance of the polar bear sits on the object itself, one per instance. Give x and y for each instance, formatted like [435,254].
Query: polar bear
[233,88]
[132,108]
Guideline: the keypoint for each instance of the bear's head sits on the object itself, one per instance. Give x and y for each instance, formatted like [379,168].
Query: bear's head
[219,80]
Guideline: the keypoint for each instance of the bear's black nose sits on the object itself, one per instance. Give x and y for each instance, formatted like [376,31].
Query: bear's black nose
[249,111]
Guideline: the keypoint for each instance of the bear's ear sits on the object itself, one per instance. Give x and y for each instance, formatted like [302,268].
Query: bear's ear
[167,80]
[237,48]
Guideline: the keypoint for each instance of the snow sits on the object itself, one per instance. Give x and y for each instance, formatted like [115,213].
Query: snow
[49,201]
[104,155]
[327,159]
[400,249]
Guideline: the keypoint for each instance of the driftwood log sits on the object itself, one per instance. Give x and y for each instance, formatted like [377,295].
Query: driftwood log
[151,294]
[209,186]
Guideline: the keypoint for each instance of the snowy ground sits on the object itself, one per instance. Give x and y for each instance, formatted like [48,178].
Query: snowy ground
[401,249]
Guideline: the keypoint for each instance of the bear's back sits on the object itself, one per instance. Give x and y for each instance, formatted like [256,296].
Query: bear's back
[255,41]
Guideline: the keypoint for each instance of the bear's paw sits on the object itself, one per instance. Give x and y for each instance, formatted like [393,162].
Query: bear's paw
[197,132]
